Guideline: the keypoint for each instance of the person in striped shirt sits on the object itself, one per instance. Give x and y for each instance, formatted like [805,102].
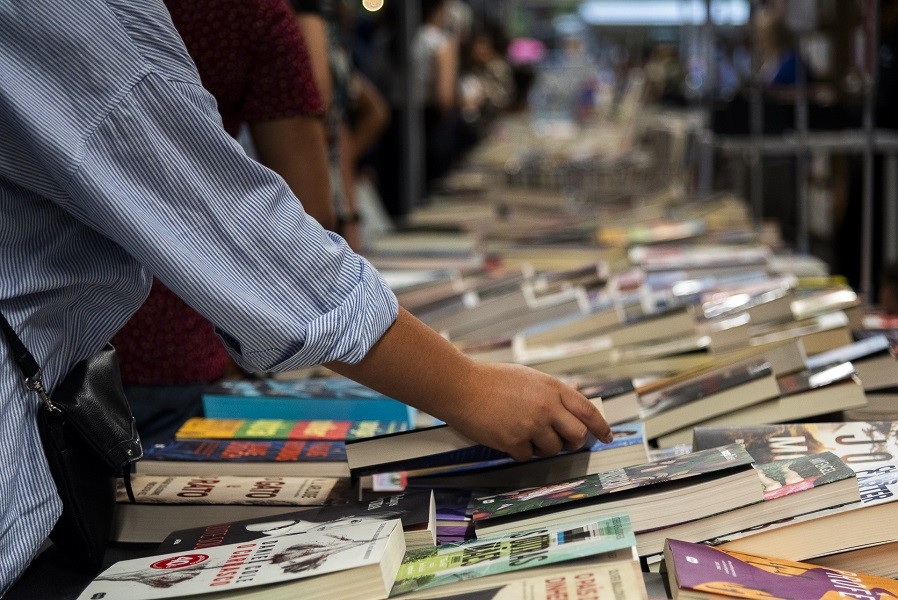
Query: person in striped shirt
[114,168]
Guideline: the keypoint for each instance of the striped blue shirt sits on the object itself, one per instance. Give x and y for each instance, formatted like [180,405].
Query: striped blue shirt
[114,167]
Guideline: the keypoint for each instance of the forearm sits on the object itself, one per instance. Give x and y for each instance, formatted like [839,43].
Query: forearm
[414,364]
[508,407]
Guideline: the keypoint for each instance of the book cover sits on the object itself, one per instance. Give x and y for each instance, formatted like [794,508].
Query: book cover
[792,489]
[203,428]
[279,491]
[615,582]
[782,478]
[240,566]
[414,509]
[426,568]
[866,348]
[811,379]
[870,449]
[700,387]
[591,487]
[275,451]
[733,574]
[501,470]
[317,398]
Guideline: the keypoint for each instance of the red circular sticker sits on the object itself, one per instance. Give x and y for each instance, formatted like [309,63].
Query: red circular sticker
[182,560]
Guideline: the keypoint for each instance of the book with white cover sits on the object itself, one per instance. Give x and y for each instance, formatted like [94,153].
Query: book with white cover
[361,561]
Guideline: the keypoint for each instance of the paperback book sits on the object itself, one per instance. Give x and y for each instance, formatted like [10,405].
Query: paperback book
[245,457]
[318,398]
[361,561]
[616,582]
[654,494]
[869,448]
[805,395]
[203,428]
[167,503]
[475,564]
[702,572]
[628,448]
[416,511]
[422,448]
[706,396]
[792,487]
[873,360]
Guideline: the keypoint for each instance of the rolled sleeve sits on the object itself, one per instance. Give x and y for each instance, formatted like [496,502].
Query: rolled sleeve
[162,179]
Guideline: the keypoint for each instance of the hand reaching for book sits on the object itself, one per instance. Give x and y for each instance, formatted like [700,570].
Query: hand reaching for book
[525,412]
[511,408]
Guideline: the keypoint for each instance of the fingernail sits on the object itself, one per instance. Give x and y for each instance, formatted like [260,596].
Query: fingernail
[608,438]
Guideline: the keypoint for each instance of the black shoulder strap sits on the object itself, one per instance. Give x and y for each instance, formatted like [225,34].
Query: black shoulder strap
[20,353]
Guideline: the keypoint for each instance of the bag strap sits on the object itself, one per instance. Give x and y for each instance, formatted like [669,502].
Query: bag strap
[34,380]
[26,362]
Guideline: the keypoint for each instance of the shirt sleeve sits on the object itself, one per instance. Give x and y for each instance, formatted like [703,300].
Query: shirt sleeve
[280,83]
[162,179]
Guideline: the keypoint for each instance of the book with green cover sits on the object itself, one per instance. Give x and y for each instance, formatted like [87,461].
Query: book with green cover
[654,494]
[489,558]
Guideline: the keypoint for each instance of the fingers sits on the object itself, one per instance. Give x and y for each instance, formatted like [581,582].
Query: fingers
[547,442]
[522,452]
[588,414]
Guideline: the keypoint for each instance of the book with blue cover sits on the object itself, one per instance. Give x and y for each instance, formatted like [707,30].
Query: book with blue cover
[318,458]
[304,399]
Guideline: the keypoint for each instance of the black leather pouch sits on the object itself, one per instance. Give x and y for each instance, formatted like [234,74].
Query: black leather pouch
[89,437]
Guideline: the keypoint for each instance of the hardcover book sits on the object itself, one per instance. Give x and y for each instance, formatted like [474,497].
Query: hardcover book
[654,494]
[480,563]
[167,503]
[245,457]
[702,572]
[312,398]
[361,561]
[416,510]
[202,428]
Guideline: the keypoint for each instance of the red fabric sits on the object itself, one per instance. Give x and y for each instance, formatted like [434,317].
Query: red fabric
[168,343]
[251,56]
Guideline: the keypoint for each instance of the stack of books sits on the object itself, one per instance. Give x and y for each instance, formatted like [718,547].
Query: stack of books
[740,382]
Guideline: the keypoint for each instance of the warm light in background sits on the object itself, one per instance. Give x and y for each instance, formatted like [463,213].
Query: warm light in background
[373,5]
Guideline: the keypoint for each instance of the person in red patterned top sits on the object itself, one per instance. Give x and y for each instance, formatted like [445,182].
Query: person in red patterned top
[250,54]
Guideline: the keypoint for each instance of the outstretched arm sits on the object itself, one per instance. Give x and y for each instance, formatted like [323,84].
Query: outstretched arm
[512,408]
